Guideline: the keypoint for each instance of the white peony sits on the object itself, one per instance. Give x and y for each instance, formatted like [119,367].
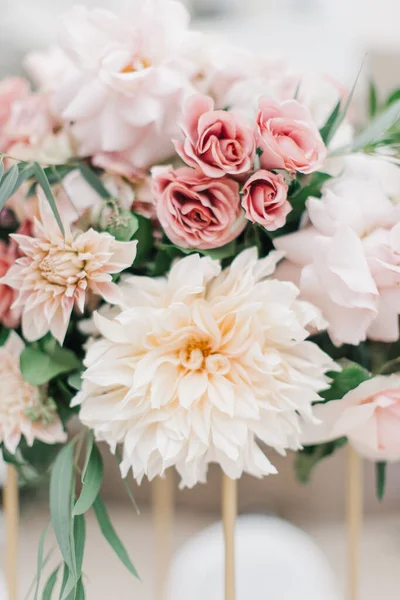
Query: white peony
[202,364]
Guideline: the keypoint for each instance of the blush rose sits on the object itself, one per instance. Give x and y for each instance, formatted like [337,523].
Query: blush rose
[265,199]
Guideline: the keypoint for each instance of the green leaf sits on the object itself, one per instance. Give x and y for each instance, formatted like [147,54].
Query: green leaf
[122,225]
[38,368]
[327,131]
[50,584]
[308,458]
[144,237]
[111,536]
[126,483]
[1,168]
[65,580]
[380,479]
[313,188]
[373,100]
[350,377]
[7,184]
[91,482]
[61,493]
[44,184]
[89,446]
[94,181]
[222,252]
[40,559]
[4,333]
[80,591]
[393,97]
[75,380]
[79,541]
[378,128]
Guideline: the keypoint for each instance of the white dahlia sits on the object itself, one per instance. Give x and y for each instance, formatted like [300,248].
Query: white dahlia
[203,364]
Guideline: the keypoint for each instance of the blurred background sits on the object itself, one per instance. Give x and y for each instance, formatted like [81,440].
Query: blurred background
[332,36]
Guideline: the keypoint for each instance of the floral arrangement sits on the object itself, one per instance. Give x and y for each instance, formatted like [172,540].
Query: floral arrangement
[199,257]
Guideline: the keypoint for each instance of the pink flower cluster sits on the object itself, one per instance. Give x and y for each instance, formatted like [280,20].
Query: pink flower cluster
[207,206]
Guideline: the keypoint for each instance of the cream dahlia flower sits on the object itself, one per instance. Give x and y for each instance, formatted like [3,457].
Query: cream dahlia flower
[55,273]
[22,410]
[202,364]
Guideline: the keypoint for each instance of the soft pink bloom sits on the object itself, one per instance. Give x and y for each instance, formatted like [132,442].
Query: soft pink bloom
[196,211]
[288,137]
[10,317]
[12,89]
[217,141]
[369,416]
[23,412]
[348,260]
[56,274]
[118,163]
[265,200]
[123,87]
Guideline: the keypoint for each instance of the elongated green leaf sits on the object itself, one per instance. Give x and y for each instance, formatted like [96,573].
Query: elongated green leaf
[44,184]
[380,479]
[79,541]
[343,113]
[222,252]
[111,536]
[373,100]
[328,128]
[65,579]
[91,482]
[40,559]
[376,131]
[61,491]
[7,184]
[1,168]
[50,584]
[126,483]
[94,181]
[80,591]
[393,97]
[38,368]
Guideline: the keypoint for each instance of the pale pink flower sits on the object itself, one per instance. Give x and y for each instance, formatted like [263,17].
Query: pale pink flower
[369,416]
[196,211]
[218,142]
[123,91]
[200,366]
[264,199]
[12,89]
[56,274]
[348,259]
[288,137]
[9,317]
[23,410]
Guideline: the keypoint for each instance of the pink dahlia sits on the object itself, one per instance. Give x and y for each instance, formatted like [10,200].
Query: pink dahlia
[55,273]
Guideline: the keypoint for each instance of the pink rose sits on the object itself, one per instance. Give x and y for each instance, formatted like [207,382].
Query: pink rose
[217,141]
[288,137]
[9,317]
[265,200]
[369,416]
[12,89]
[196,211]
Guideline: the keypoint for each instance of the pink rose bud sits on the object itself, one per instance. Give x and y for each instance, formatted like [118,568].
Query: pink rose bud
[288,137]
[217,141]
[196,211]
[265,200]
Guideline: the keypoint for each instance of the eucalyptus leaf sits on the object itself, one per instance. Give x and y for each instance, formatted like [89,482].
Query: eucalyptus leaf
[91,483]
[7,184]
[393,97]
[38,368]
[50,584]
[44,184]
[61,493]
[328,130]
[75,380]
[79,541]
[373,100]
[380,479]
[1,168]
[111,536]
[40,561]
[378,128]
[94,181]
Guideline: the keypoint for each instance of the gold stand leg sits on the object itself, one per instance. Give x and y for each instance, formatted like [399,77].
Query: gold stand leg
[354,520]
[163,515]
[229,514]
[11,510]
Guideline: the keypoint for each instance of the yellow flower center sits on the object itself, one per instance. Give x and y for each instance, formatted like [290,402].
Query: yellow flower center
[137,64]
[194,355]
[62,268]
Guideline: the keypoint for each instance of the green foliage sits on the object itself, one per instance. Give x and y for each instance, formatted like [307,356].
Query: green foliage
[223,252]
[350,377]
[45,185]
[372,100]
[308,458]
[393,97]
[91,481]
[7,184]
[122,224]
[380,479]
[39,367]
[376,132]
[328,130]
[50,584]
[144,236]
[111,536]
[94,181]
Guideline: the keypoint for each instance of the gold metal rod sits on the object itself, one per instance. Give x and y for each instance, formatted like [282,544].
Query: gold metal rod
[163,517]
[11,510]
[229,514]
[354,521]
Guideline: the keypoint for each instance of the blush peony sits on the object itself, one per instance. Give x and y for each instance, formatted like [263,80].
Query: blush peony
[55,274]
[9,316]
[348,259]
[369,416]
[23,411]
[218,142]
[288,137]
[196,211]
[203,364]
